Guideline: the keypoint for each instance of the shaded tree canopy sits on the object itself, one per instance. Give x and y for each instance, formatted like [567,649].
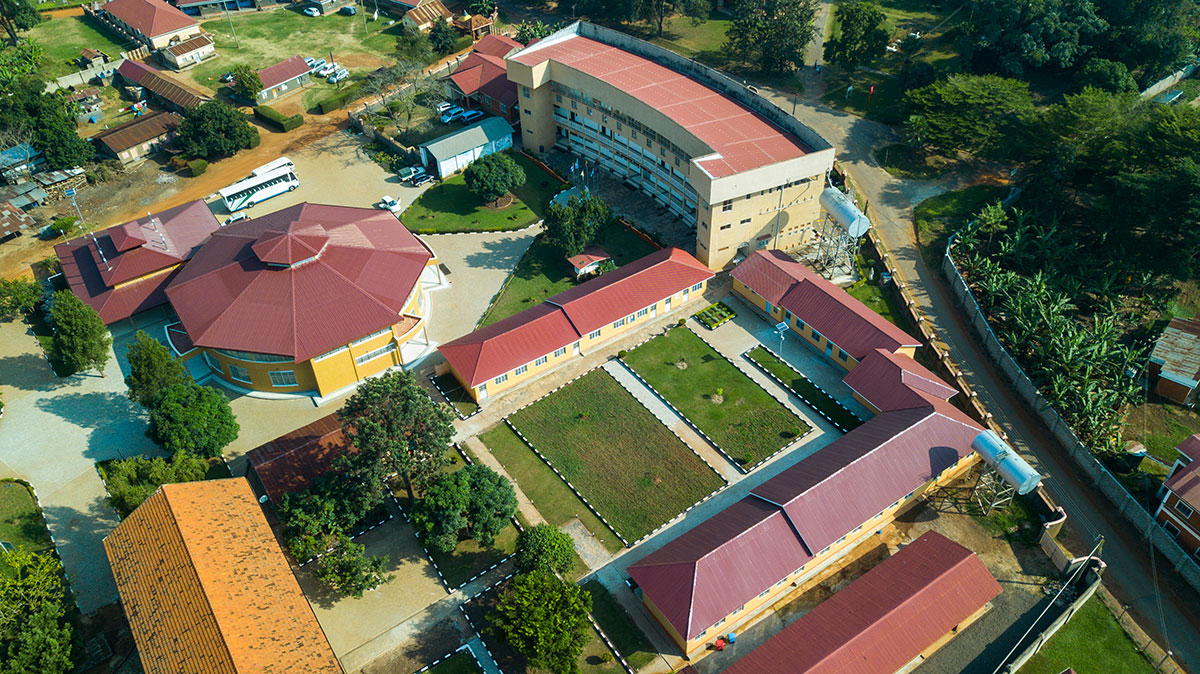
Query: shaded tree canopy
[246,82]
[1011,35]
[545,619]
[190,417]
[861,34]
[214,130]
[570,227]
[494,176]
[152,368]
[972,113]
[771,35]
[544,547]
[81,339]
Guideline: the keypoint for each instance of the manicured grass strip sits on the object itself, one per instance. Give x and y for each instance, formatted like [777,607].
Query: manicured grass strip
[450,207]
[630,641]
[1091,641]
[623,460]
[21,523]
[460,663]
[715,315]
[748,424]
[456,394]
[549,494]
[805,389]
[470,559]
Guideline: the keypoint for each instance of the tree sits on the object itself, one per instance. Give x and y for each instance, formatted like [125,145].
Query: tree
[529,31]
[657,10]
[246,82]
[49,123]
[392,420]
[491,178]
[19,60]
[475,499]
[545,619]
[191,417]
[80,339]
[214,130]
[34,633]
[1110,76]
[65,225]
[152,368]
[412,46]
[131,481]
[544,548]
[570,227]
[771,35]
[17,15]
[442,37]
[861,35]
[43,645]
[481,7]
[18,296]
[971,113]
[347,570]
[1010,35]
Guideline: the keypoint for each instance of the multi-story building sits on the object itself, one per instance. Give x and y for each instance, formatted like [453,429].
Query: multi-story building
[1179,510]
[742,172]
[153,23]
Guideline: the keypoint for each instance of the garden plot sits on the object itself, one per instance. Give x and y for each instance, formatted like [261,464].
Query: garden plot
[804,389]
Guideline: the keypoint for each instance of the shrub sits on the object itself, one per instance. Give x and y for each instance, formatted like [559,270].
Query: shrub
[544,547]
[681,322]
[341,98]
[179,162]
[606,657]
[273,116]
[131,481]
[197,167]
[622,353]
[254,141]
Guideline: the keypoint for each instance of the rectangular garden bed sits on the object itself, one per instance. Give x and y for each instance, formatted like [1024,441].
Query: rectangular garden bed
[804,389]
[623,460]
[715,315]
[728,406]
[630,641]
[21,521]
[464,406]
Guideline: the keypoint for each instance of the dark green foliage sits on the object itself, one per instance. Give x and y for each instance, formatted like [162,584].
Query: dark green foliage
[81,341]
[25,105]
[917,74]
[246,82]
[475,499]
[1111,76]
[972,113]
[35,635]
[412,46]
[347,570]
[214,130]
[131,481]
[197,167]
[481,7]
[861,34]
[341,98]
[657,10]
[493,176]
[191,417]
[529,31]
[19,61]
[771,35]
[65,225]
[570,227]
[284,122]
[152,368]
[1011,35]
[545,619]
[18,296]
[544,548]
[17,15]
[442,37]
[1151,37]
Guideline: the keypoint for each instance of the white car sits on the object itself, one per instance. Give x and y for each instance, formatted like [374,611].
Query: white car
[310,61]
[316,66]
[443,106]
[339,75]
[312,11]
[328,69]
[236,217]
[389,204]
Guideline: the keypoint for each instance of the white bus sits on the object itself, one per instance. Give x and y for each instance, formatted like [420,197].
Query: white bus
[246,193]
[282,162]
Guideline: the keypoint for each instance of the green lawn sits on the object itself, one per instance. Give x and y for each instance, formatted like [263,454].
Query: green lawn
[1161,425]
[1092,642]
[543,271]
[748,424]
[469,558]
[549,494]
[616,453]
[21,523]
[63,38]
[450,207]
[903,161]
[871,293]
[457,395]
[630,641]
[459,663]
[591,660]
[805,389]
[937,216]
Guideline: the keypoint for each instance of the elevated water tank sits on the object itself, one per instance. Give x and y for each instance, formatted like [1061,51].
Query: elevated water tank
[1000,456]
[843,211]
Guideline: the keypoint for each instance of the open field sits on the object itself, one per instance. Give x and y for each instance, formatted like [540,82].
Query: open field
[747,423]
[63,38]
[620,628]
[937,216]
[616,453]
[548,493]
[543,271]
[1092,642]
[805,389]
[450,207]
[459,663]
[21,523]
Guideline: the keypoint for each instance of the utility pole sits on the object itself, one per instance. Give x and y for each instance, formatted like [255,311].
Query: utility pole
[236,42]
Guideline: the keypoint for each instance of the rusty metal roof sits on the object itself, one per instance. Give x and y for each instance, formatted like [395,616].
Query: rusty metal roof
[291,462]
[138,130]
[1178,349]
[1190,447]
[883,620]
[162,85]
[187,46]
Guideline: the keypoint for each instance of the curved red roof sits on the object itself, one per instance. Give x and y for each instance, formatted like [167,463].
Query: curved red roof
[300,281]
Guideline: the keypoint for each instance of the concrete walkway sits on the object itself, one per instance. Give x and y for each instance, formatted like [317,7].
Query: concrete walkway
[483,656]
[523,503]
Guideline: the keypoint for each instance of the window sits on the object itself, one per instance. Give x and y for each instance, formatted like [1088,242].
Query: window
[619,323]
[213,362]
[375,353]
[724,227]
[745,221]
[643,312]
[696,288]
[1183,509]
[282,377]
[726,206]
[799,324]
[1171,529]
[521,370]
[371,336]
[239,373]
[539,361]
[501,379]
[574,105]
[560,352]
[503,109]
[816,336]
[525,93]
[842,355]
[254,357]
[630,318]
[528,111]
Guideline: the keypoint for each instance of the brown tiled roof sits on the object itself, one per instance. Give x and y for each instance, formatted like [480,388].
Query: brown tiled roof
[291,462]
[283,71]
[154,81]
[138,130]
[885,619]
[188,46]
[149,17]
[485,74]
[428,11]
[207,589]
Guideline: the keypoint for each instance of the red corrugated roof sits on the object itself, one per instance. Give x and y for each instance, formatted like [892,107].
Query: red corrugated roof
[740,139]
[1186,483]
[590,255]
[291,462]
[843,320]
[569,315]
[496,45]
[149,17]
[133,250]
[485,74]
[883,620]
[890,381]
[229,298]
[283,71]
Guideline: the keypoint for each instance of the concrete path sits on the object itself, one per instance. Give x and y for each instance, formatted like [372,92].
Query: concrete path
[483,656]
[671,420]
[590,550]
[523,503]
[52,434]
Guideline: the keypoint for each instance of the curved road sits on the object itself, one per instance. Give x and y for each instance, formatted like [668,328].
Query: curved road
[1174,622]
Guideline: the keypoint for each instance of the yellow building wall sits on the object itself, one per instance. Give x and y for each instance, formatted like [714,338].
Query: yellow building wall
[782,218]
[777,314]
[260,380]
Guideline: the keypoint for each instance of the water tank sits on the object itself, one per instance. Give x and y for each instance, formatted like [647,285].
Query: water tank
[1000,456]
[843,211]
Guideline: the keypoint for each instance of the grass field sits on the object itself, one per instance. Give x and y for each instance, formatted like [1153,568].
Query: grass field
[457,395]
[748,424]
[459,663]
[63,38]
[543,271]
[871,293]
[805,389]
[616,453]
[620,628]
[937,216]
[548,493]
[450,207]
[1092,642]
[21,523]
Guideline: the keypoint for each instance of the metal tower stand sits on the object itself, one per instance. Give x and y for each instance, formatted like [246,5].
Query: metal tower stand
[992,491]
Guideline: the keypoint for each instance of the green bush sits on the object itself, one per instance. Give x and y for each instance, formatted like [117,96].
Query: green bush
[254,141]
[273,116]
[339,99]
[197,167]
[622,353]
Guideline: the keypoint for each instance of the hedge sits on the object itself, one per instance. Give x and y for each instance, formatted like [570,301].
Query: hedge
[339,99]
[254,140]
[198,167]
[269,114]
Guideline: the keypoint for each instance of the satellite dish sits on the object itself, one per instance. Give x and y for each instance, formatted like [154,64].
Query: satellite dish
[1006,462]
[844,212]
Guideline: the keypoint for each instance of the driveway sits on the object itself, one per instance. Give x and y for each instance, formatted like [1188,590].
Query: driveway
[52,434]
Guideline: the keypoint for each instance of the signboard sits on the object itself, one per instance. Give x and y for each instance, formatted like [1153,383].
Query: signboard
[781,327]
[70,192]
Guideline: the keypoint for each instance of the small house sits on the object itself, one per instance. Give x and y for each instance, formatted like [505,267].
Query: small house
[19,161]
[138,138]
[453,152]
[1179,511]
[475,25]
[189,52]
[589,261]
[25,196]
[282,78]
[1175,362]
[426,12]
[482,77]
[153,23]
[13,219]
[89,58]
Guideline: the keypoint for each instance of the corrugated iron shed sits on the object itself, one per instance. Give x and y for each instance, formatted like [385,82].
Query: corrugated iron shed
[291,462]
